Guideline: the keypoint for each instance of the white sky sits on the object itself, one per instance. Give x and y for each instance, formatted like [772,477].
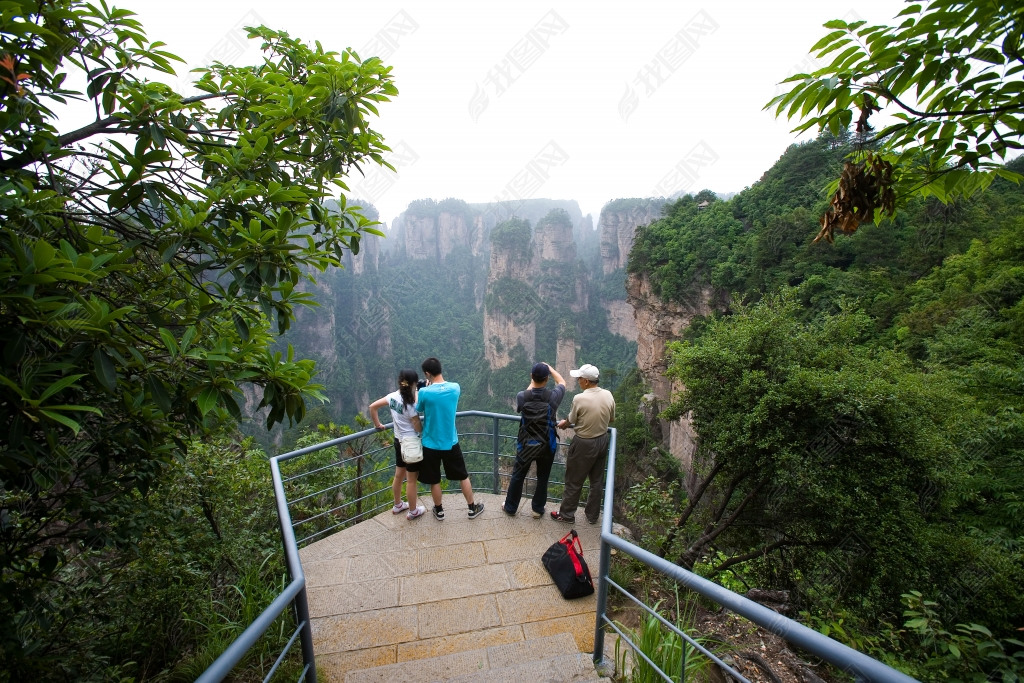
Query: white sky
[565,100]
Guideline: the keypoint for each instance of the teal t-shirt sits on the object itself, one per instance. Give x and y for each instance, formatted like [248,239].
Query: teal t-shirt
[438,404]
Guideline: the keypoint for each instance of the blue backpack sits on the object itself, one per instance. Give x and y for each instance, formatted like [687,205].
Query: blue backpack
[536,424]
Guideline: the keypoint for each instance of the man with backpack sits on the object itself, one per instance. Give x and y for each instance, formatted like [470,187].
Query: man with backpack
[537,439]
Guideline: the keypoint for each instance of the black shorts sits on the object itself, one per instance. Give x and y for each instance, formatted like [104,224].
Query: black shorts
[398,454]
[430,466]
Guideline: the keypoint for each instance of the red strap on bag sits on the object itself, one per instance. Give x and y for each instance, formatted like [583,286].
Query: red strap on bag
[571,541]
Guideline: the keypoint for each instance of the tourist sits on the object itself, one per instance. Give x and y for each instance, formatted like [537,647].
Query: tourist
[592,411]
[537,439]
[402,404]
[438,402]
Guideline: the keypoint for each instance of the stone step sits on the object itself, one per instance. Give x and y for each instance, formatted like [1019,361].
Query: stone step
[552,658]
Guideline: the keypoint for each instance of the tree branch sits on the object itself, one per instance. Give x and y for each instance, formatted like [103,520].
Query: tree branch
[690,506]
[107,125]
[739,559]
[715,529]
[881,90]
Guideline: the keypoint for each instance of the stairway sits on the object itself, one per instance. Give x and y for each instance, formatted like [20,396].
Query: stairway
[551,658]
[459,600]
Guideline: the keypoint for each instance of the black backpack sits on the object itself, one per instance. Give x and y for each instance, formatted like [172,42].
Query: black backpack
[537,423]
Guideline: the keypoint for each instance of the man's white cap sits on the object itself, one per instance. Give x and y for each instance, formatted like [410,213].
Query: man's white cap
[587,372]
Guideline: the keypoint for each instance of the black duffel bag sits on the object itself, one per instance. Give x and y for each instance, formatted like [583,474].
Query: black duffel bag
[564,561]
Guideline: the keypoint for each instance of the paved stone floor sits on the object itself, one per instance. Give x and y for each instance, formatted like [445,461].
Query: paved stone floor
[390,590]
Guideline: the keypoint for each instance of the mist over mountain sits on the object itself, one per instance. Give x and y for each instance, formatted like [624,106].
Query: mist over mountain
[487,288]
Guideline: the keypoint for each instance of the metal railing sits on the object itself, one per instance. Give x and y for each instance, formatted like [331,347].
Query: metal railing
[353,482]
[342,482]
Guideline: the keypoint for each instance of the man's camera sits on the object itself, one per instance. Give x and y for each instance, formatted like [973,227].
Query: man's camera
[421,383]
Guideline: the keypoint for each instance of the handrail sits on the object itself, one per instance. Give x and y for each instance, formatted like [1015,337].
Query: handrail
[855,663]
[295,592]
[859,665]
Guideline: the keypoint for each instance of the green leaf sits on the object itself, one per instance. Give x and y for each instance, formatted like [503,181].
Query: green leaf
[64,420]
[827,40]
[104,368]
[169,341]
[208,400]
[241,326]
[159,393]
[990,55]
[59,385]
[42,254]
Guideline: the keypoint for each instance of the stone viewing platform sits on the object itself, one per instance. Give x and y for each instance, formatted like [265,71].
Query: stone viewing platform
[460,600]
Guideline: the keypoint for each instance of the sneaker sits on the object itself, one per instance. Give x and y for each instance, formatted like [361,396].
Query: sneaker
[438,513]
[400,507]
[417,513]
[510,513]
[475,510]
[593,521]
[537,515]
[559,517]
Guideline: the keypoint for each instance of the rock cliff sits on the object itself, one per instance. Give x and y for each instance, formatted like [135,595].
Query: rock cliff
[657,323]
[532,276]
[621,319]
[534,294]
[433,230]
[617,225]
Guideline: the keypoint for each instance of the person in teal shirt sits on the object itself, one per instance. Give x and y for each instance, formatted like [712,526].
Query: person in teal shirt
[438,402]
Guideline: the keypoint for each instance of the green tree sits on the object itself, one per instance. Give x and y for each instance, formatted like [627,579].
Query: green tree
[949,75]
[145,262]
[813,444]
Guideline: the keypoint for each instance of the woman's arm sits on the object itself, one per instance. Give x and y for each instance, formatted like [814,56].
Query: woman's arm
[374,407]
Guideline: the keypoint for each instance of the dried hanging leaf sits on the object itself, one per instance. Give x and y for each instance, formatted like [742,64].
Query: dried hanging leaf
[863,188]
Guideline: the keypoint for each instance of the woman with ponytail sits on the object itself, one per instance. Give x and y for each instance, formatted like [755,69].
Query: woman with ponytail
[406,424]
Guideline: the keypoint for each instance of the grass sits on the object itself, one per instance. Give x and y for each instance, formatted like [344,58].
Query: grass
[664,647]
[225,621]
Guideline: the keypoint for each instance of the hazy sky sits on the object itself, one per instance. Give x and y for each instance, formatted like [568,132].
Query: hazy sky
[566,100]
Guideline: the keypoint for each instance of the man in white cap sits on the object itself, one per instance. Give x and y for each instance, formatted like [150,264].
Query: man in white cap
[592,411]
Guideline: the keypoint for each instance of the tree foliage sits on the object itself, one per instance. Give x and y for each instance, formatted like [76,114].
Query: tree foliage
[146,260]
[514,237]
[865,425]
[949,75]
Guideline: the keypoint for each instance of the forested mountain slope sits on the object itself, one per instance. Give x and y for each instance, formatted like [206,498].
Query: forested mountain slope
[857,406]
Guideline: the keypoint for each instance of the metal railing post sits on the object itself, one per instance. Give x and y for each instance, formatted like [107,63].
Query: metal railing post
[306,635]
[605,561]
[294,564]
[682,658]
[496,488]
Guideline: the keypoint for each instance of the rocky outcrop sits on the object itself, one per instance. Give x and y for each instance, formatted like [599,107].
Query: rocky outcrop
[421,237]
[553,241]
[455,230]
[502,334]
[532,276]
[509,263]
[617,225]
[432,230]
[621,320]
[318,323]
[565,355]
[658,322]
